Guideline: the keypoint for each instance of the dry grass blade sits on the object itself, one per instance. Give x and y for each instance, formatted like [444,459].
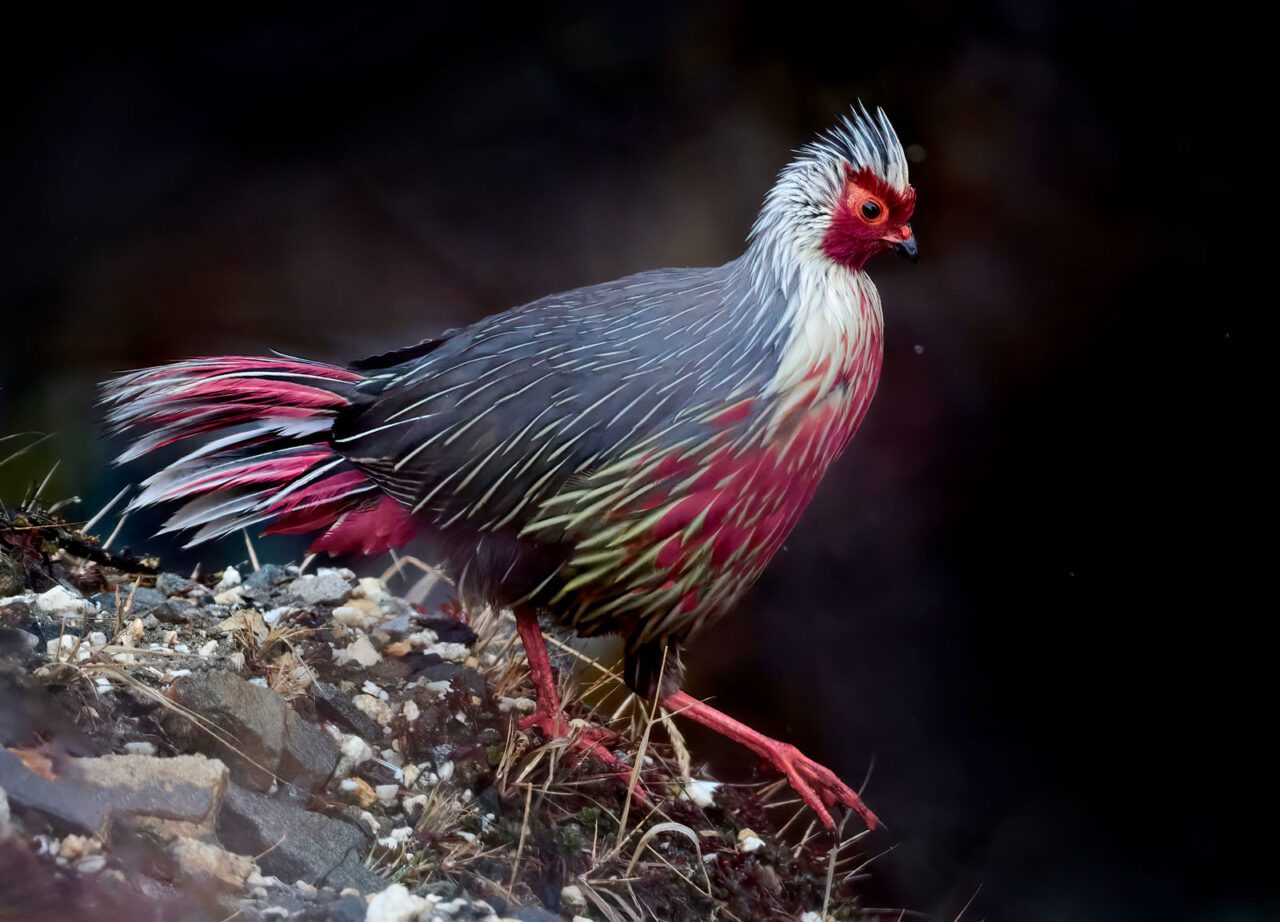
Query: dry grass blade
[25,448]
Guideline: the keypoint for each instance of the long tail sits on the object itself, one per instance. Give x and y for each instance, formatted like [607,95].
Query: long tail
[267,458]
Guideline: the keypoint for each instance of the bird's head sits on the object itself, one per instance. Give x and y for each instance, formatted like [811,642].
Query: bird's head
[845,197]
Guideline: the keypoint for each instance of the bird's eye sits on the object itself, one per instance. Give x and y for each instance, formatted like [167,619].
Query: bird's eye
[871,209]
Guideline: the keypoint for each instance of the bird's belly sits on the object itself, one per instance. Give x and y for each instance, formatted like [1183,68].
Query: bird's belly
[697,533]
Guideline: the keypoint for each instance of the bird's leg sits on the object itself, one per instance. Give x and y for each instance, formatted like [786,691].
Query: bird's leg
[817,786]
[548,716]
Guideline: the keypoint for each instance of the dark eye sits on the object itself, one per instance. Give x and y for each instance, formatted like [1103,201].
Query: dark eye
[871,209]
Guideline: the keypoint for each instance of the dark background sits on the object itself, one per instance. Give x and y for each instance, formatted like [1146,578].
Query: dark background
[1031,588]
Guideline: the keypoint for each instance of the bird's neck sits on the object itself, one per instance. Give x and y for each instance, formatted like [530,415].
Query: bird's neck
[826,318]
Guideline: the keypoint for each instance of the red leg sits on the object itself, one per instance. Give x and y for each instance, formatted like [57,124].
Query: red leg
[817,786]
[548,716]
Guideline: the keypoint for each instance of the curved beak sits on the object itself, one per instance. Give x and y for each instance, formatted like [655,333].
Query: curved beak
[905,244]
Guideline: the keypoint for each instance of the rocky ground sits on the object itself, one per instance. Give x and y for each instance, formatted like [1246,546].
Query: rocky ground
[275,742]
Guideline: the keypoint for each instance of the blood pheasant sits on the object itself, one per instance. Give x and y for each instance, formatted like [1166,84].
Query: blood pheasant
[623,458]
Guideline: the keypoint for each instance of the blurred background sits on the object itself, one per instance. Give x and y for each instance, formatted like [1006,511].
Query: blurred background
[1030,590]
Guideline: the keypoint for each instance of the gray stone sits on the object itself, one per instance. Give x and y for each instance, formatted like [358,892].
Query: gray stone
[327,587]
[171,584]
[262,738]
[258,584]
[173,612]
[250,720]
[139,601]
[16,643]
[534,914]
[295,844]
[12,578]
[309,755]
[333,705]
[88,794]
[347,909]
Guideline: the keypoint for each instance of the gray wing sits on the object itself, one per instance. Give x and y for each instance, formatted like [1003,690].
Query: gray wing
[479,428]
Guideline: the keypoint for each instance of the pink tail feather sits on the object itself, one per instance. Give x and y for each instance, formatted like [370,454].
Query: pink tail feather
[269,459]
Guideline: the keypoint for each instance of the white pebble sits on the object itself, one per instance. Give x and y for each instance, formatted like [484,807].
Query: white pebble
[454,652]
[230,577]
[387,793]
[748,841]
[62,602]
[395,904]
[358,651]
[701,793]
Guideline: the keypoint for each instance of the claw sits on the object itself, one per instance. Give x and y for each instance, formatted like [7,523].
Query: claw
[818,786]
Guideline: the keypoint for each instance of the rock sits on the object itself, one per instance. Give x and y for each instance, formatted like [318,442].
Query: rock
[173,611]
[326,587]
[264,737]
[294,844]
[534,914]
[396,904]
[6,825]
[170,584]
[359,651]
[249,716]
[348,908]
[448,630]
[143,598]
[376,708]
[433,669]
[204,862]
[358,792]
[230,577]
[572,899]
[748,841]
[309,756]
[333,705]
[355,751]
[12,579]
[702,793]
[16,643]
[60,602]
[88,794]
[258,584]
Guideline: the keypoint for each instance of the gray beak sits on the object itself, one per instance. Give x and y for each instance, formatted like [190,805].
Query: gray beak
[909,249]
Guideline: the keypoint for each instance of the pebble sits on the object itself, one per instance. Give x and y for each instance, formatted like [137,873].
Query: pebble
[571,896]
[701,793]
[523,705]
[359,651]
[387,793]
[376,708]
[748,841]
[327,586]
[350,616]
[396,904]
[358,791]
[230,577]
[63,603]
[355,751]
[371,588]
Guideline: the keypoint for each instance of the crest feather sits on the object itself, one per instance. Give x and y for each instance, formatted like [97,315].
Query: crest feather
[865,141]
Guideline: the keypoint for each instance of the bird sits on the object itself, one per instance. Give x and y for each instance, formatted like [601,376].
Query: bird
[623,458]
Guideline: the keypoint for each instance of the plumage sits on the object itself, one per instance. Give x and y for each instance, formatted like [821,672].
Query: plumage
[623,458]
